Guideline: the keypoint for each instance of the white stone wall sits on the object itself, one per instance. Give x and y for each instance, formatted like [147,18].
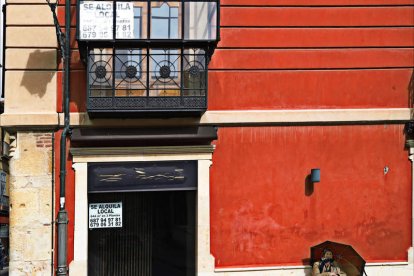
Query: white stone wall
[31,220]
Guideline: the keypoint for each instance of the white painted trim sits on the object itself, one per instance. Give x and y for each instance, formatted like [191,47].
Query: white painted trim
[81,217]
[80,258]
[306,116]
[411,157]
[387,264]
[218,117]
[204,259]
[232,117]
[46,120]
[261,268]
[128,151]
[372,269]
[293,267]
[143,157]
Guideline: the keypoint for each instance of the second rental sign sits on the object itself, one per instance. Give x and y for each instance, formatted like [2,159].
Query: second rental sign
[96,20]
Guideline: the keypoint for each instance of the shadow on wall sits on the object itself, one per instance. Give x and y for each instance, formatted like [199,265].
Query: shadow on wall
[309,185]
[36,81]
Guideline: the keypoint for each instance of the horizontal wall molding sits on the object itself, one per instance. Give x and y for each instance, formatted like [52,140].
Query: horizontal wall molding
[141,157]
[385,268]
[306,267]
[259,117]
[221,118]
[28,121]
[82,151]
[307,116]
[262,268]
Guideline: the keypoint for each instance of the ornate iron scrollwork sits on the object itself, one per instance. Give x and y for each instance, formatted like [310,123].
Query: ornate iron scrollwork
[168,78]
[165,71]
[131,71]
[100,72]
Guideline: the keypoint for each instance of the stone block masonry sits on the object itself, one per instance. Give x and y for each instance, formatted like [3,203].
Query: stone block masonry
[31,198]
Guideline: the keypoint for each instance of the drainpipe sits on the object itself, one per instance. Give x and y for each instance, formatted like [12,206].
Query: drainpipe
[62,218]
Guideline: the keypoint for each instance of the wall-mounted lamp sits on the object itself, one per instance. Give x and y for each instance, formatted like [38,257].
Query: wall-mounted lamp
[315,175]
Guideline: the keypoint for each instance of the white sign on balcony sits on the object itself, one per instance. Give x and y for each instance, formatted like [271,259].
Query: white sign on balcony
[96,20]
[124,20]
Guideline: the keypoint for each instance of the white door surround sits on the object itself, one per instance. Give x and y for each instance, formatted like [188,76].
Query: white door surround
[83,156]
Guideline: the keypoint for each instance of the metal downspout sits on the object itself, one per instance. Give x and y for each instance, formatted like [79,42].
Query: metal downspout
[62,218]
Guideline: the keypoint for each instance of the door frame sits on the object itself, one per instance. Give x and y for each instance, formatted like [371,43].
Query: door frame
[83,156]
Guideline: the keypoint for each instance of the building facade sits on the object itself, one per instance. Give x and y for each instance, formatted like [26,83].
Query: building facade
[292,86]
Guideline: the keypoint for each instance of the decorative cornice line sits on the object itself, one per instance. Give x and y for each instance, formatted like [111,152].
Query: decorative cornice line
[220,118]
[304,267]
[261,117]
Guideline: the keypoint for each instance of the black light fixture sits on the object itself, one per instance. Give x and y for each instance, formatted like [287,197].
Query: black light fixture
[315,175]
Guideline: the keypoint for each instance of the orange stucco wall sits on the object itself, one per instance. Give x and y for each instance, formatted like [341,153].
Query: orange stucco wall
[297,54]
[263,213]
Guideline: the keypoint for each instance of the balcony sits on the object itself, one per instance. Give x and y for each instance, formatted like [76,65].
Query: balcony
[154,61]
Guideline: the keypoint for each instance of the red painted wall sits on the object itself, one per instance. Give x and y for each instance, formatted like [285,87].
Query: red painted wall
[313,54]
[263,214]
[287,54]
[302,55]
[299,89]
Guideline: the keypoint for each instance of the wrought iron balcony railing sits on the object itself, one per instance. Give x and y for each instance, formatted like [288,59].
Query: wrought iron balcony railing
[138,80]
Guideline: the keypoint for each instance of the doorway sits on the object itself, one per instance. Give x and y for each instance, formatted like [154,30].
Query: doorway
[157,237]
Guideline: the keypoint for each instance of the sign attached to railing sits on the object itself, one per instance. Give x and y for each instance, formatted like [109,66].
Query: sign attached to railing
[96,20]
[105,215]
[124,20]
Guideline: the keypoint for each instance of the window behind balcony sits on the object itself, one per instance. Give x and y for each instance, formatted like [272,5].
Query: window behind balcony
[155,58]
